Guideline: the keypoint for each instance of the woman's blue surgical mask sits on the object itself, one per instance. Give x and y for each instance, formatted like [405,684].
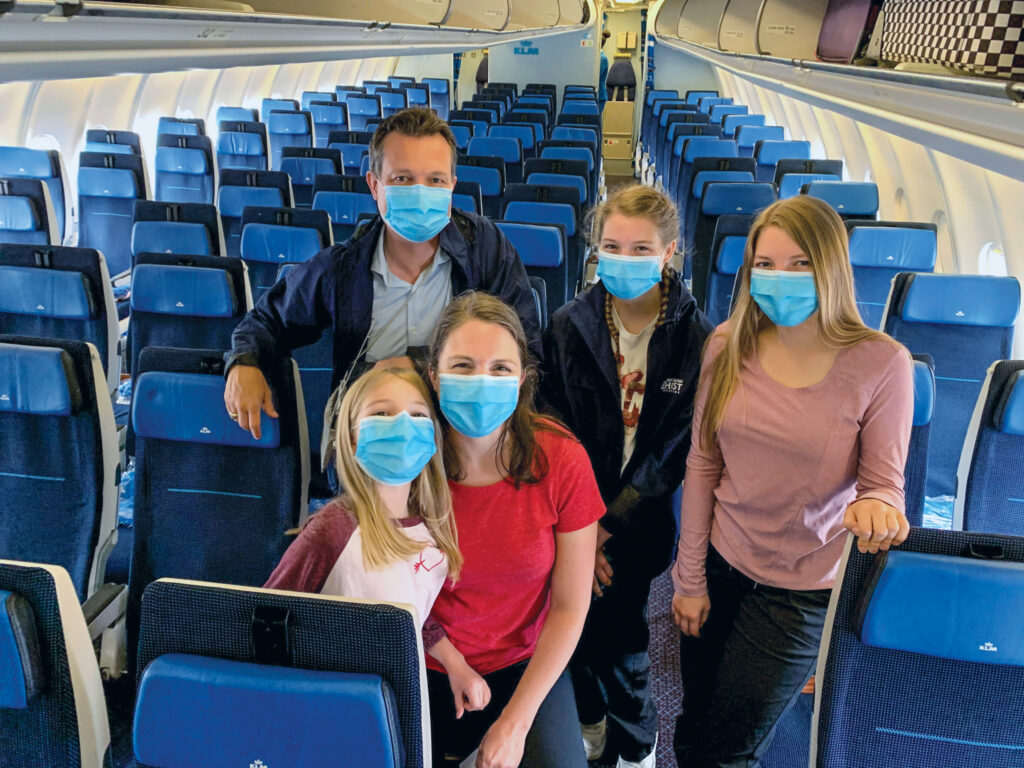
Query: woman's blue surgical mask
[627,277]
[478,405]
[394,449]
[788,298]
[417,212]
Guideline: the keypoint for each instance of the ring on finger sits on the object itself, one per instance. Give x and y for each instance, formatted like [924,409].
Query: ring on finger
[233,416]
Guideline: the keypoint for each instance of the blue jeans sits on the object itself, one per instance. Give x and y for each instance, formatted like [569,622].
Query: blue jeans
[756,651]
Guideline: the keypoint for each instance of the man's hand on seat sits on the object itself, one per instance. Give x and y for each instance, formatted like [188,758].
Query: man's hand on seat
[245,395]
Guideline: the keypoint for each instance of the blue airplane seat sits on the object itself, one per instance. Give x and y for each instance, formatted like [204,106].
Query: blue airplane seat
[353,145]
[462,134]
[58,459]
[287,129]
[26,213]
[489,173]
[705,103]
[915,474]
[575,107]
[524,133]
[52,710]
[60,293]
[440,95]
[418,94]
[768,153]
[345,199]
[392,100]
[261,666]
[789,166]
[184,169]
[965,322]
[275,236]
[991,472]
[237,149]
[681,172]
[327,118]
[106,201]
[508,149]
[921,661]
[466,196]
[540,298]
[547,166]
[185,228]
[240,188]
[851,199]
[747,135]
[879,250]
[114,142]
[542,249]
[42,164]
[551,205]
[704,170]
[720,111]
[278,105]
[308,97]
[694,97]
[727,250]
[304,164]
[237,114]
[211,501]
[362,108]
[180,126]
[791,184]
[730,123]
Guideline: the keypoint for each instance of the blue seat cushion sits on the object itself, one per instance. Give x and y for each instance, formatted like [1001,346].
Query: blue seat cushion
[170,125]
[489,179]
[850,198]
[46,293]
[903,248]
[175,290]
[171,237]
[961,300]
[730,254]
[196,712]
[1009,414]
[538,245]
[962,608]
[792,183]
[279,244]
[708,146]
[181,160]
[189,408]
[107,182]
[740,198]
[294,123]
[244,144]
[773,151]
[561,180]
[21,663]
[38,380]
[496,146]
[924,394]
[17,214]
[232,200]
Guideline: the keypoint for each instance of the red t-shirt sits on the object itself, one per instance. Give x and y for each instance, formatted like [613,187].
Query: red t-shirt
[494,613]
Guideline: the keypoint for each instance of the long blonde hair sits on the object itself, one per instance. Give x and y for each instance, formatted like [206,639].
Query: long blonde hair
[817,229]
[429,496]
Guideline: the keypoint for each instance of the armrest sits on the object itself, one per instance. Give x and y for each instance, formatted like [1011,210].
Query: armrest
[105,608]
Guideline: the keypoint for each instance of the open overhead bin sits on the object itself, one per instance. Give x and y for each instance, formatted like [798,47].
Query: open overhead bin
[699,22]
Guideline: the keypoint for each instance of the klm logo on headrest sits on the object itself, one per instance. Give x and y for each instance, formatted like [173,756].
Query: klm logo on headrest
[179,304]
[960,313]
[5,398]
[841,206]
[989,648]
[280,255]
[890,258]
[204,431]
[40,307]
[258,764]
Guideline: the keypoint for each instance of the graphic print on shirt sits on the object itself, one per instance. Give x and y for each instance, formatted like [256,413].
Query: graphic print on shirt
[631,383]
[428,560]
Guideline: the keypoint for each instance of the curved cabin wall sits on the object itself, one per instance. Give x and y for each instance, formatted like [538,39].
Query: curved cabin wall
[667,21]
[789,28]
[699,22]
[479,14]
[738,31]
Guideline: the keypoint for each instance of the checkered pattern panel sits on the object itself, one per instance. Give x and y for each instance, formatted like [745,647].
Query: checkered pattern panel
[984,37]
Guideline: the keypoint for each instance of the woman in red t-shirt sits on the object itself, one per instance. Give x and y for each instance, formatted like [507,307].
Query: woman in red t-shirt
[526,507]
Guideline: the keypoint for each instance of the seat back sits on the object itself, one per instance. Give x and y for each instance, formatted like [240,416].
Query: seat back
[106,202]
[345,199]
[705,103]
[241,149]
[308,97]
[489,173]
[786,166]
[466,196]
[553,205]
[881,250]
[768,153]
[238,189]
[907,633]
[190,302]
[113,141]
[508,149]
[54,712]
[747,135]
[275,236]
[694,97]
[991,470]
[60,293]
[580,107]
[26,213]
[304,164]
[681,173]
[42,164]
[708,169]
[727,250]
[392,100]
[58,458]
[211,501]
[184,169]
[354,145]
[731,122]
[185,228]
[440,95]
[243,114]
[180,126]
[719,111]
[547,169]
[791,184]
[361,108]
[851,199]
[542,251]
[280,105]
[250,697]
[915,473]
[327,118]
[417,93]
[965,322]
[288,129]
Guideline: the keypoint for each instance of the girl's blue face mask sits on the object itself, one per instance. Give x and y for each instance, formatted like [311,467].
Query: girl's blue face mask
[394,449]
[478,405]
[417,212]
[788,298]
[627,277]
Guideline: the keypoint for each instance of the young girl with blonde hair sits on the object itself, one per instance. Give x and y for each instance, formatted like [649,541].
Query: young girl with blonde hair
[800,434]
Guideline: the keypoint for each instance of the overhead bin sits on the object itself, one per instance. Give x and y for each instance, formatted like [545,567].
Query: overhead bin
[700,20]
[667,22]
[478,14]
[738,30]
[789,29]
[571,11]
[533,14]
[394,11]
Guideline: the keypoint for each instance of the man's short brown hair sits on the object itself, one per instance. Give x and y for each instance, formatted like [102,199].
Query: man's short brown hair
[415,121]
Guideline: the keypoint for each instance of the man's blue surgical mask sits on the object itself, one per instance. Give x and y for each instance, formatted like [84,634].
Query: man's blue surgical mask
[627,277]
[417,212]
[788,298]
[478,405]
[394,449]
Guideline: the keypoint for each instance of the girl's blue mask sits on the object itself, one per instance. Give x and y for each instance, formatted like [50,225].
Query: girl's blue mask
[788,298]
[394,449]
[627,277]
[478,405]
[417,212]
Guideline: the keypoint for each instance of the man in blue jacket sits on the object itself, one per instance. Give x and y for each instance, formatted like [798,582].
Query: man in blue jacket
[383,290]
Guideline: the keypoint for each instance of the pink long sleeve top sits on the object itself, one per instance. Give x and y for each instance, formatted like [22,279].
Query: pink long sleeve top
[771,493]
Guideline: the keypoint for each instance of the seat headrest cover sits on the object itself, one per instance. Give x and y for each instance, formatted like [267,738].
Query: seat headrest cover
[21,663]
[560,180]
[489,179]
[730,254]
[708,146]
[179,160]
[328,113]
[538,245]
[241,114]
[107,182]
[171,237]
[345,207]
[170,125]
[704,177]
[189,408]
[741,198]
[1009,415]
[26,163]
[37,380]
[850,198]
[189,291]
[245,144]
[107,148]
[196,710]
[279,244]
[903,248]
[773,151]
[952,607]
[288,122]
[304,170]
[924,393]
[17,214]
[45,293]
[543,213]
[961,300]
[749,135]
[232,200]
[792,183]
